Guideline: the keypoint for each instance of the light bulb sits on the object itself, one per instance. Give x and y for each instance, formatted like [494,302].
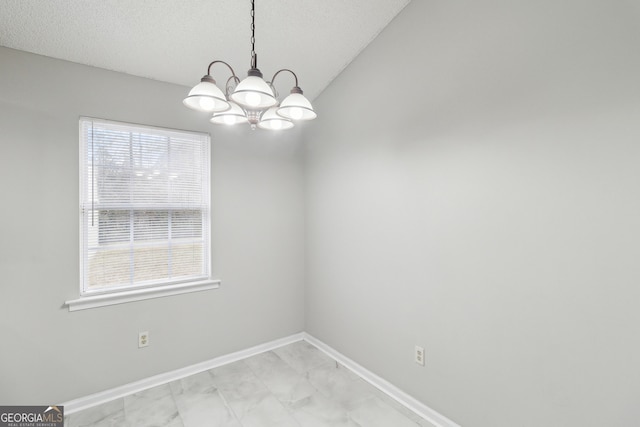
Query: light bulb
[207,103]
[276,124]
[229,119]
[252,99]
[296,113]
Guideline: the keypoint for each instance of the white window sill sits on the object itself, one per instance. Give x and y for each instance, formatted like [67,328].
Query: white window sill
[102,300]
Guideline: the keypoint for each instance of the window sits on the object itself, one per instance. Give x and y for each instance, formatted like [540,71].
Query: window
[144,207]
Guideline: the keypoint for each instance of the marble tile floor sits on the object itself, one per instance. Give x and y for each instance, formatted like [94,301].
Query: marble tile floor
[292,386]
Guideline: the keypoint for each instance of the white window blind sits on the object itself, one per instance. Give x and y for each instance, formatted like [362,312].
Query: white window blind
[144,206]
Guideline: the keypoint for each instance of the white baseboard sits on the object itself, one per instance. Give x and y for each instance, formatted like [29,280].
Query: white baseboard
[383,385]
[386,387]
[105,396]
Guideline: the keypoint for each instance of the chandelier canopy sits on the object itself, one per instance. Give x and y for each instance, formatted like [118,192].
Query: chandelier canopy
[251,100]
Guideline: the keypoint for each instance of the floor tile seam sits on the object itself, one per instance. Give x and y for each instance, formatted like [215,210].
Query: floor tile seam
[327,395]
[177,415]
[292,418]
[227,383]
[124,409]
[266,388]
[388,402]
[306,368]
[171,395]
[257,375]
[283,359]
[341,408]
[175,400]
[390,407]
[350,418]
[274,368]
[351,380]
[228,406]
[284,406]
[251,398]
[106,416]
[298,378]
[319,389]
[269,394]
[408,413]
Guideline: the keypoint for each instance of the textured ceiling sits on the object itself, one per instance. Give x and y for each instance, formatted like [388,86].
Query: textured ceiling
[174,40]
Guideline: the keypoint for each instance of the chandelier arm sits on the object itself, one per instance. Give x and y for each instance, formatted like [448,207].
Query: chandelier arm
[233,73]
[228,86]
[285,69]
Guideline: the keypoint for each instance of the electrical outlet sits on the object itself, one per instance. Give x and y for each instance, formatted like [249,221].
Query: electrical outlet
[419,355]
[143,339]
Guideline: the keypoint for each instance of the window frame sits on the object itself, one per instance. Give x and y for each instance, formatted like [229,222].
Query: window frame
[90,298]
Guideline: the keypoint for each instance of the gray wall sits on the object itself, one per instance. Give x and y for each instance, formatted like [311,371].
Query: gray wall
[489,213]
[473,187]
[49,355]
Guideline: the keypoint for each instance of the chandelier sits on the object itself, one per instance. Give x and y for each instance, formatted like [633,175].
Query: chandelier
[252,100]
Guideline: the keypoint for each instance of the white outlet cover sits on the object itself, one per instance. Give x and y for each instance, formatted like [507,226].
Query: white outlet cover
[419,355]
[143,339]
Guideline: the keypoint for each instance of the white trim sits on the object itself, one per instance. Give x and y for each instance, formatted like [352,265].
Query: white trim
[94,301]
[386,387]
[383,385]
[199,141]
[81,403]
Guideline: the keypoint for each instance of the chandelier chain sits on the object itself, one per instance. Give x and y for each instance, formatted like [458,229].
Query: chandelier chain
[253,35]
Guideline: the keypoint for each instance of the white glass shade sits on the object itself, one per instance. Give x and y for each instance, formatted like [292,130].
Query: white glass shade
[234,115]
[206,97]
[271,120]
[296,107]
[254,93]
